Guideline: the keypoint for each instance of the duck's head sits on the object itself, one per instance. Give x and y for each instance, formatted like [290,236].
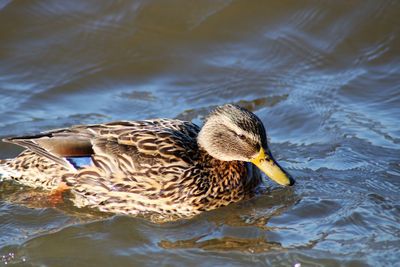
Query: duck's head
[232,133]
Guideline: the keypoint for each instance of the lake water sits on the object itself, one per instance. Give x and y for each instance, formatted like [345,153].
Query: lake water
[324,76]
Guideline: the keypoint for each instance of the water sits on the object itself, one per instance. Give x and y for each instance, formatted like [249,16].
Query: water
[322,75]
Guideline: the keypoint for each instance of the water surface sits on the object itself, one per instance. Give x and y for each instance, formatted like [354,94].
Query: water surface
[322,75]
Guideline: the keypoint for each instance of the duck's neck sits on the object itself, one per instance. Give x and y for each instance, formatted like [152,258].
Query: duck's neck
[226,181]
[227,175]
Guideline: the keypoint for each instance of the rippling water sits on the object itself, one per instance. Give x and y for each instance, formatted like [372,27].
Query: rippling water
[322,75]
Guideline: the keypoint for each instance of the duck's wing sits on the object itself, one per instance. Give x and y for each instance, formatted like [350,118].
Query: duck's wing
[134,140]
[57,145]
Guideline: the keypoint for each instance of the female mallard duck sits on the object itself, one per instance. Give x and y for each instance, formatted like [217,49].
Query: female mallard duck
[163,166]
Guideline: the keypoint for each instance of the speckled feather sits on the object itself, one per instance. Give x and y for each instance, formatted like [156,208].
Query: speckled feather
[138,167]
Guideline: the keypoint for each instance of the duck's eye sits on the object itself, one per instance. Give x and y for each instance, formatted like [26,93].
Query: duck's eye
[242,136]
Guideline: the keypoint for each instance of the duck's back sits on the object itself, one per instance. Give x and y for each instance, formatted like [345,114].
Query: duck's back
[123,166]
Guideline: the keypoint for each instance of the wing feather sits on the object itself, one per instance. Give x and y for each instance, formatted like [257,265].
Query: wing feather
[140,141]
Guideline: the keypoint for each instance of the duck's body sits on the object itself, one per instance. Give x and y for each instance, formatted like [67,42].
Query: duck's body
[162,166]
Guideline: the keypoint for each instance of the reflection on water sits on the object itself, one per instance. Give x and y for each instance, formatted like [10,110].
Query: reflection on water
[323,77]
[224,244]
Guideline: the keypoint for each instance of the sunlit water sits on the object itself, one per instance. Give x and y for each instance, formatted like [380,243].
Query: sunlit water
[322,75]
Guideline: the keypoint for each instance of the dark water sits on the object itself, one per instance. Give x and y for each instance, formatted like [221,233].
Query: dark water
[324,76]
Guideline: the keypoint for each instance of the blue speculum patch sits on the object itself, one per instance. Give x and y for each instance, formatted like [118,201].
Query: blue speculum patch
[80,162]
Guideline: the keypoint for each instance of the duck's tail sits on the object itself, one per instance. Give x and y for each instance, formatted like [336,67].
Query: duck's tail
[30,170]
[7,172]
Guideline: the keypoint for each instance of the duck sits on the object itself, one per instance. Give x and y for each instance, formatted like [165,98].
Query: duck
[160,166]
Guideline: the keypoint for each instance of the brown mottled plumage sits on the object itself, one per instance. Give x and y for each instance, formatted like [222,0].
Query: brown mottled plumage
[162,166]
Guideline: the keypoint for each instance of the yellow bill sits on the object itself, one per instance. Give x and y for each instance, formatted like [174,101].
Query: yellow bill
[271,168]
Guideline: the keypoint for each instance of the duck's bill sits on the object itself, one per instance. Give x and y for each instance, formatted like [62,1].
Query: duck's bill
[266,163]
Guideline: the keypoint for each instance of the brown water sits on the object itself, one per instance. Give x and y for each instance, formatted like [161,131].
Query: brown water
[324,76]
